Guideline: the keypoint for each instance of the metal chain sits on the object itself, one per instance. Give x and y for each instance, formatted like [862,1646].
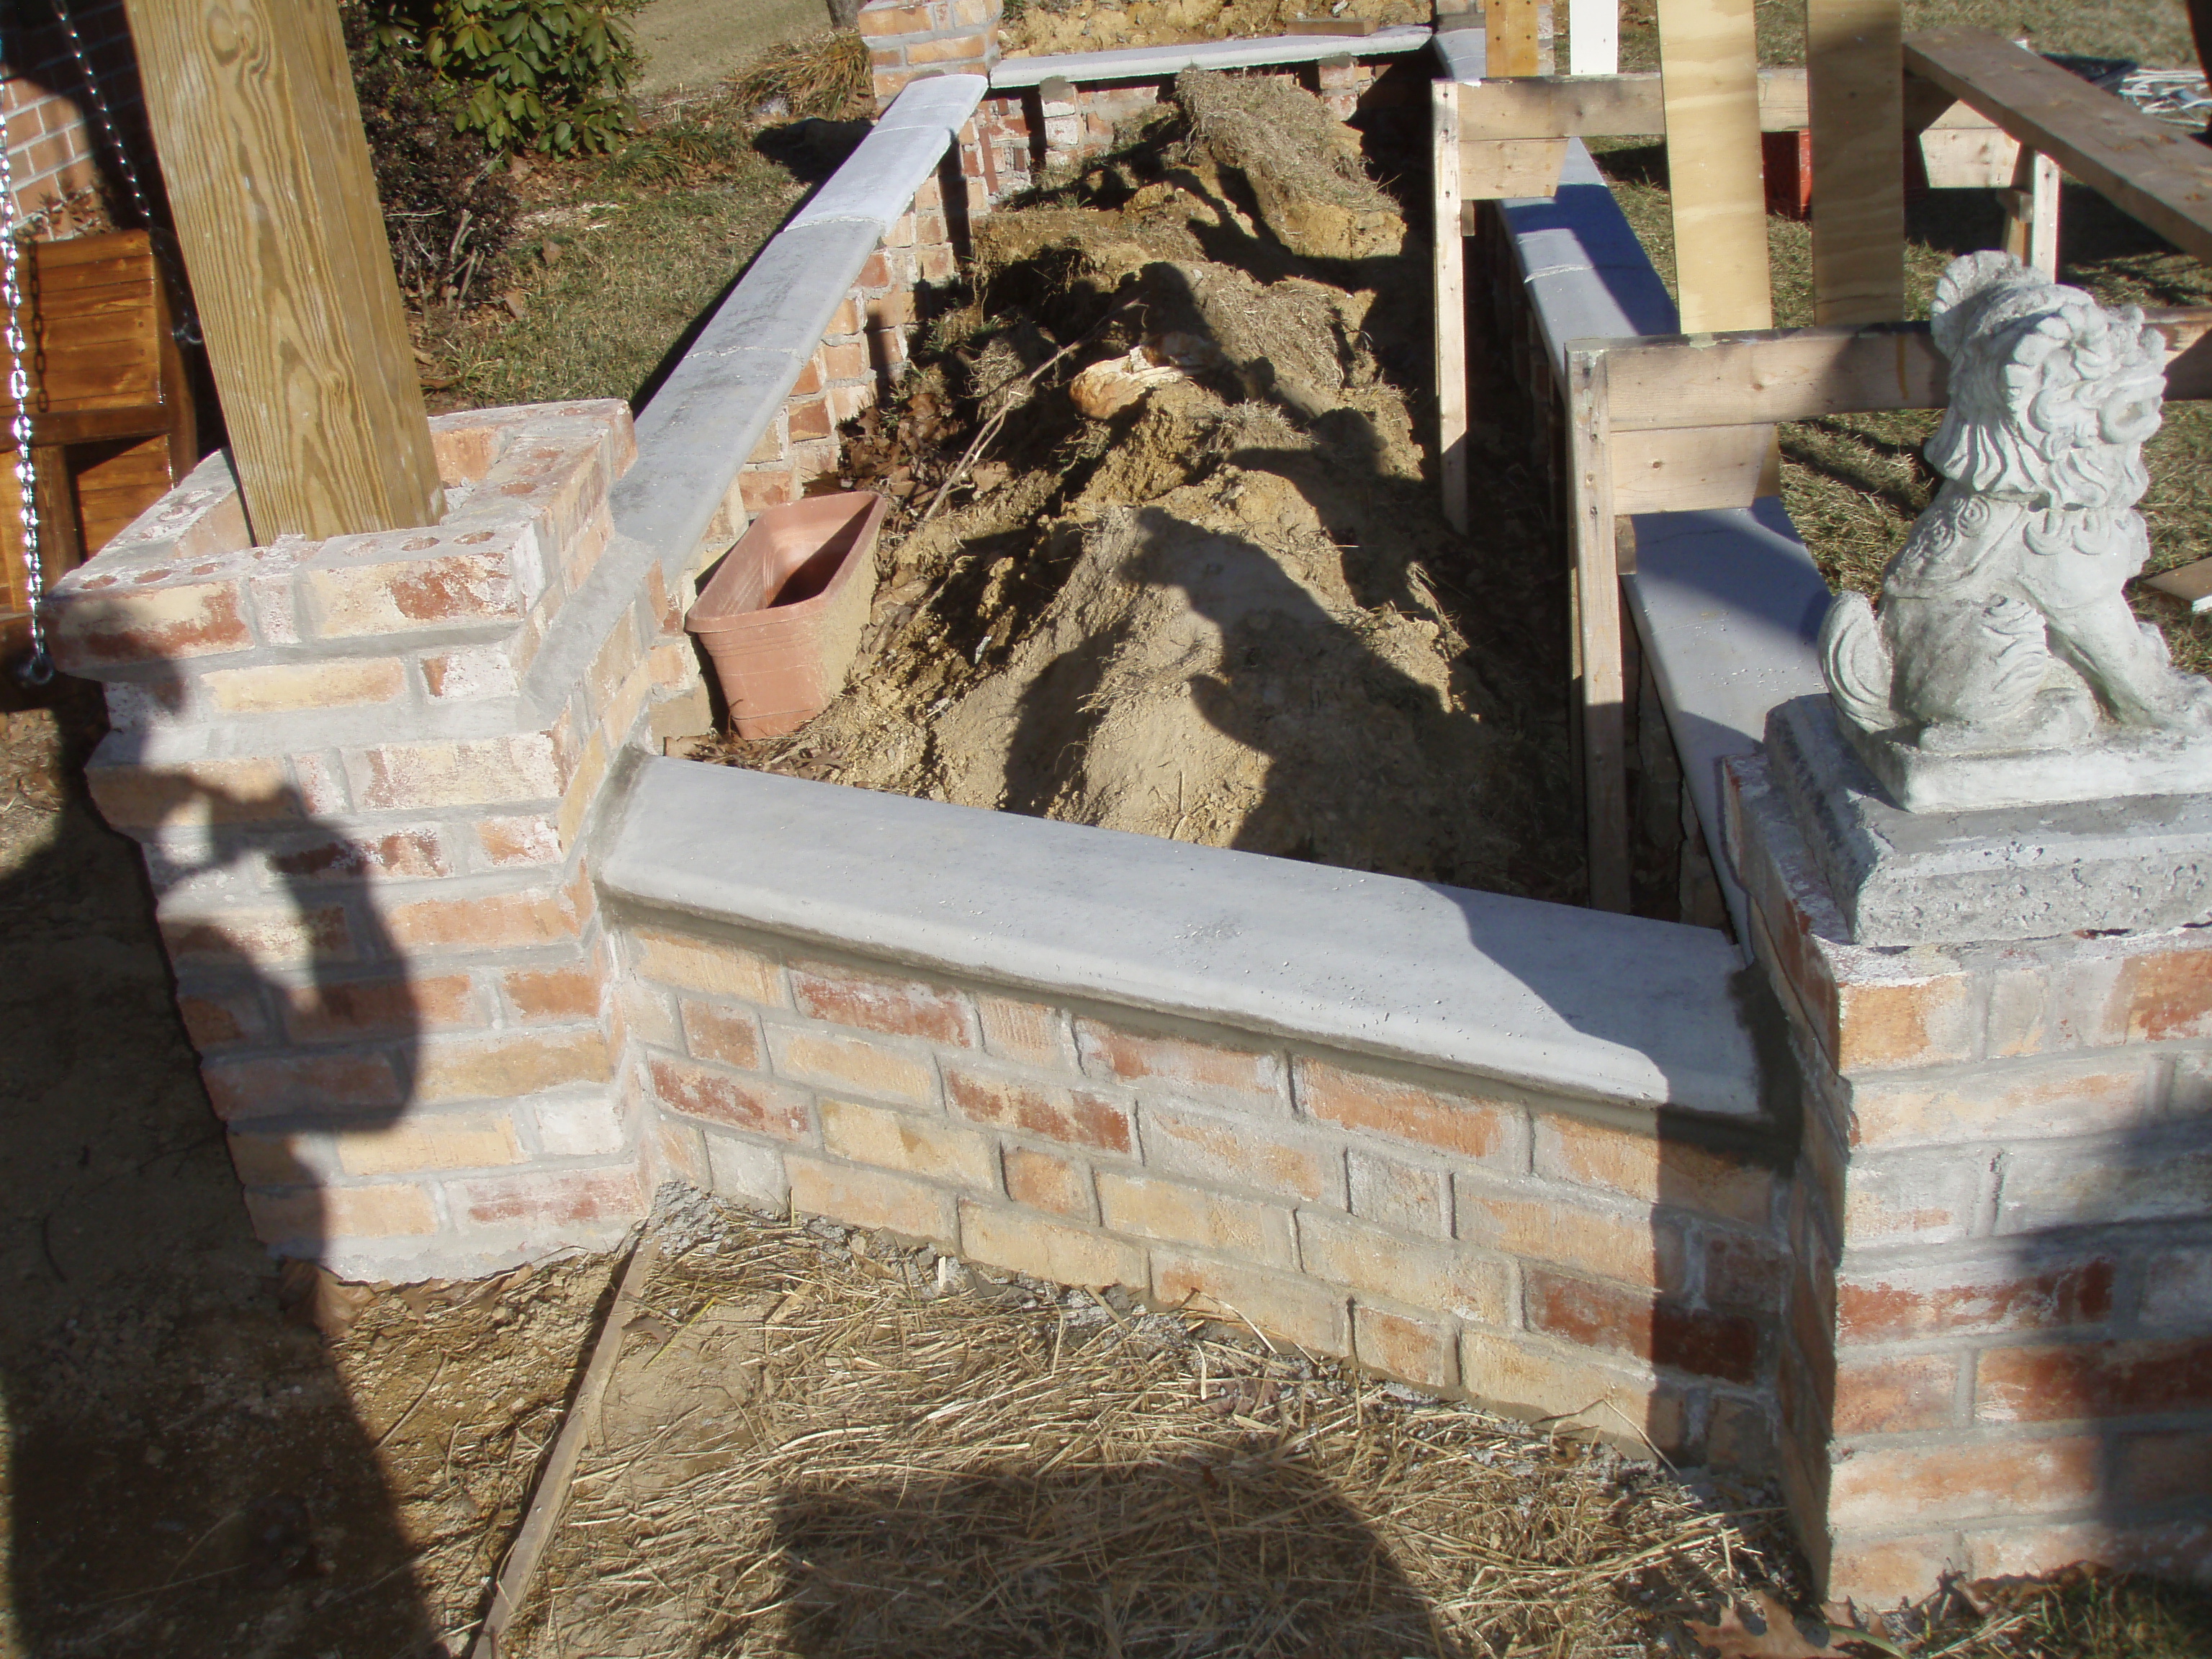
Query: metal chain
[41,668]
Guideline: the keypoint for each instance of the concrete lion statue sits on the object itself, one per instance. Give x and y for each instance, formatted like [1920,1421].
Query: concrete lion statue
[2003,624]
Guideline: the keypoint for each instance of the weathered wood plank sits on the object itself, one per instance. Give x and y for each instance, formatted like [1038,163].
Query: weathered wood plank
[1597,616]
[267,173]
[1604,106]
[2031,206]
[2159,173]
[1502,169]
[1855,55]
[1512,44]
[1450,283]
[1688,469]
[1709,78]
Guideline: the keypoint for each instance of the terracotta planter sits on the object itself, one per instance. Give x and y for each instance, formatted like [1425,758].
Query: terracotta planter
[782,614]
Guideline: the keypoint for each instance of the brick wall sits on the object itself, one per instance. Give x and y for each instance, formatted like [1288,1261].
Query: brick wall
[361,771]
[1556,1258]
[910,38]
[2002,1310]
[54,148]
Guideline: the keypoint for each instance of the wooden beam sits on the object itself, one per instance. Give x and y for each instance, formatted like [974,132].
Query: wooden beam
[1593,37]
[1709,78]
[1855,55]
[1604,106]
[269,178]
[2159,174]
[1592,530]
[1511,41]
[2031,206]
[1450,271]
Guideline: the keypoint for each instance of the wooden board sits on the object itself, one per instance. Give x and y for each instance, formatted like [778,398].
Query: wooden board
[268,174]
[1690,469]
[1608,107]
[2031,206]
[1855,55]
[2159,174]
[1597,621]
[1977,157]
[1511,42]
[1709,78]
[1502,169]
[1449,249]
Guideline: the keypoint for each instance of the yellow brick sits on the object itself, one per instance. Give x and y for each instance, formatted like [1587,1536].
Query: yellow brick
[1434,1278]
[429,1143]
[1025,1244]
[858,1063]
[520,1064]
[869,1198]
[693,964]
[1187,1215]
[1640,1167]
[903,1141]
[1312,1315]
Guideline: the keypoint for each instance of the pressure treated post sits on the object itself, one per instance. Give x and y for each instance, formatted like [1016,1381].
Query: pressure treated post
[1709,78]
[1592,534]
[1450,252]
[1855,76]
[1511,40]
[267,173]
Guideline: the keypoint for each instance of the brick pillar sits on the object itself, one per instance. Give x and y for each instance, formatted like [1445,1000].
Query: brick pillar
[907,41]
[361,770]
[2000,1312]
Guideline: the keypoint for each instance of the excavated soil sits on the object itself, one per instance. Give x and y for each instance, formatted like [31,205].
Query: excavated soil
[1054,26]
[1221,606]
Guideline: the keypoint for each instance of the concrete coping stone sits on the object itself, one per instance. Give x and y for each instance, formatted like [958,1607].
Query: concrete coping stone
[933,101]
[1158,63]
[1728,603]
[878,180]
[1545,996]
[1464,53]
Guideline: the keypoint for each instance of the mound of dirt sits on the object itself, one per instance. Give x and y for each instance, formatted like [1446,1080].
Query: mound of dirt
[1054,26]
[1229,612]
[1302,166]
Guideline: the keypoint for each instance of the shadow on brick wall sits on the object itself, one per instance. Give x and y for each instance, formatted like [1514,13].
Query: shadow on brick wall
[185,1472]
[1241,1551]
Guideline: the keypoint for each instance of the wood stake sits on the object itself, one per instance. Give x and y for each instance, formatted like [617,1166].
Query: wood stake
[1451,309]
[268,176]
[2031,212]
[1594,534]
[1855,55]
[1709,78]
[1593,37]
[1510,39]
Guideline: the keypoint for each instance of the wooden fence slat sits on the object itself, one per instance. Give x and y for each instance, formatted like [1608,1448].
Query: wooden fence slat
[1708,76]
[267,173]
[2158,173]
[1597,615]
[1855,54]
[1450,265]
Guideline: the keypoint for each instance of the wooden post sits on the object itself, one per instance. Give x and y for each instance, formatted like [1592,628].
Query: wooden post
[1709,79]
[1511,40]
[1451,309]
[268,176]
[1855,65]
[2031,211]
[1593,37]
[1597,616]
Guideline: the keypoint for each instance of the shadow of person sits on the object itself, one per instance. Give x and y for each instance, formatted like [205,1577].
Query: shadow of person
[185,1472]
[1241,1552]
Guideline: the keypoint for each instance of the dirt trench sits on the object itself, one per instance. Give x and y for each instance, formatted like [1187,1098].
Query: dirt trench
[1195,584]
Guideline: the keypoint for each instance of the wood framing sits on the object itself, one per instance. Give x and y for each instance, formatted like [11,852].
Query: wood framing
[2158,173]
[2031,206]
[1856,86]
[1591,529]
[1709,80]
[1512,41]
[267,173]
[1451,275]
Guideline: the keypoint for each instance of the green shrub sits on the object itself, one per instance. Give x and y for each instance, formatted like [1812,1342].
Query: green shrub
[542,75]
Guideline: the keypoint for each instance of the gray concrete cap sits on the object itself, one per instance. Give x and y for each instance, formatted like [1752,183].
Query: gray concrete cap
[1548,996]
[1159,63]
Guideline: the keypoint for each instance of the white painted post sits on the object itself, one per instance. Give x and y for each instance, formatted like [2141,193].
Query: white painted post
[1593,37]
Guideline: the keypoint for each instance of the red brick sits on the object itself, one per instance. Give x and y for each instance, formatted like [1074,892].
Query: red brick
[1739,1435]
[510,841]
[1640,1250]
[289,936]
[480,772]
[153,624]
[741,1103]
[1656,1171]
[1972,1299]
[1595,1315]
[554,994]
[1926,1022]
[2093,1380]
[2177,1291]
[315,1083]
[212,1022]
[1896,1394]
[346,1011]
[1465,1125]
[1744,1272]
[1281,1305]
[552,1198]
[871,1198]
[1893,1486]
[2178,1551]
[729,1037]
[1883,1572]
[398,595]
[710,965]
[1414,1349]
[494,921]
[1998,1106]
[402,853]
[1260,1153]
[1046,1183]
[2162,1468]
[871,1002]
[1077,1117]
[1182,1062]
[759,491]
[2166,997]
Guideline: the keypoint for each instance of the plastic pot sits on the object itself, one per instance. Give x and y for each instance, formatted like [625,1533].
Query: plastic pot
[782,616]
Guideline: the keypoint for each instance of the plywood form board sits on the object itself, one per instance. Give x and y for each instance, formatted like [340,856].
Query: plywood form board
[2159,174]
[267,173]
[1604,106]
[1708,76]
[1855,55]
[1450,279]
